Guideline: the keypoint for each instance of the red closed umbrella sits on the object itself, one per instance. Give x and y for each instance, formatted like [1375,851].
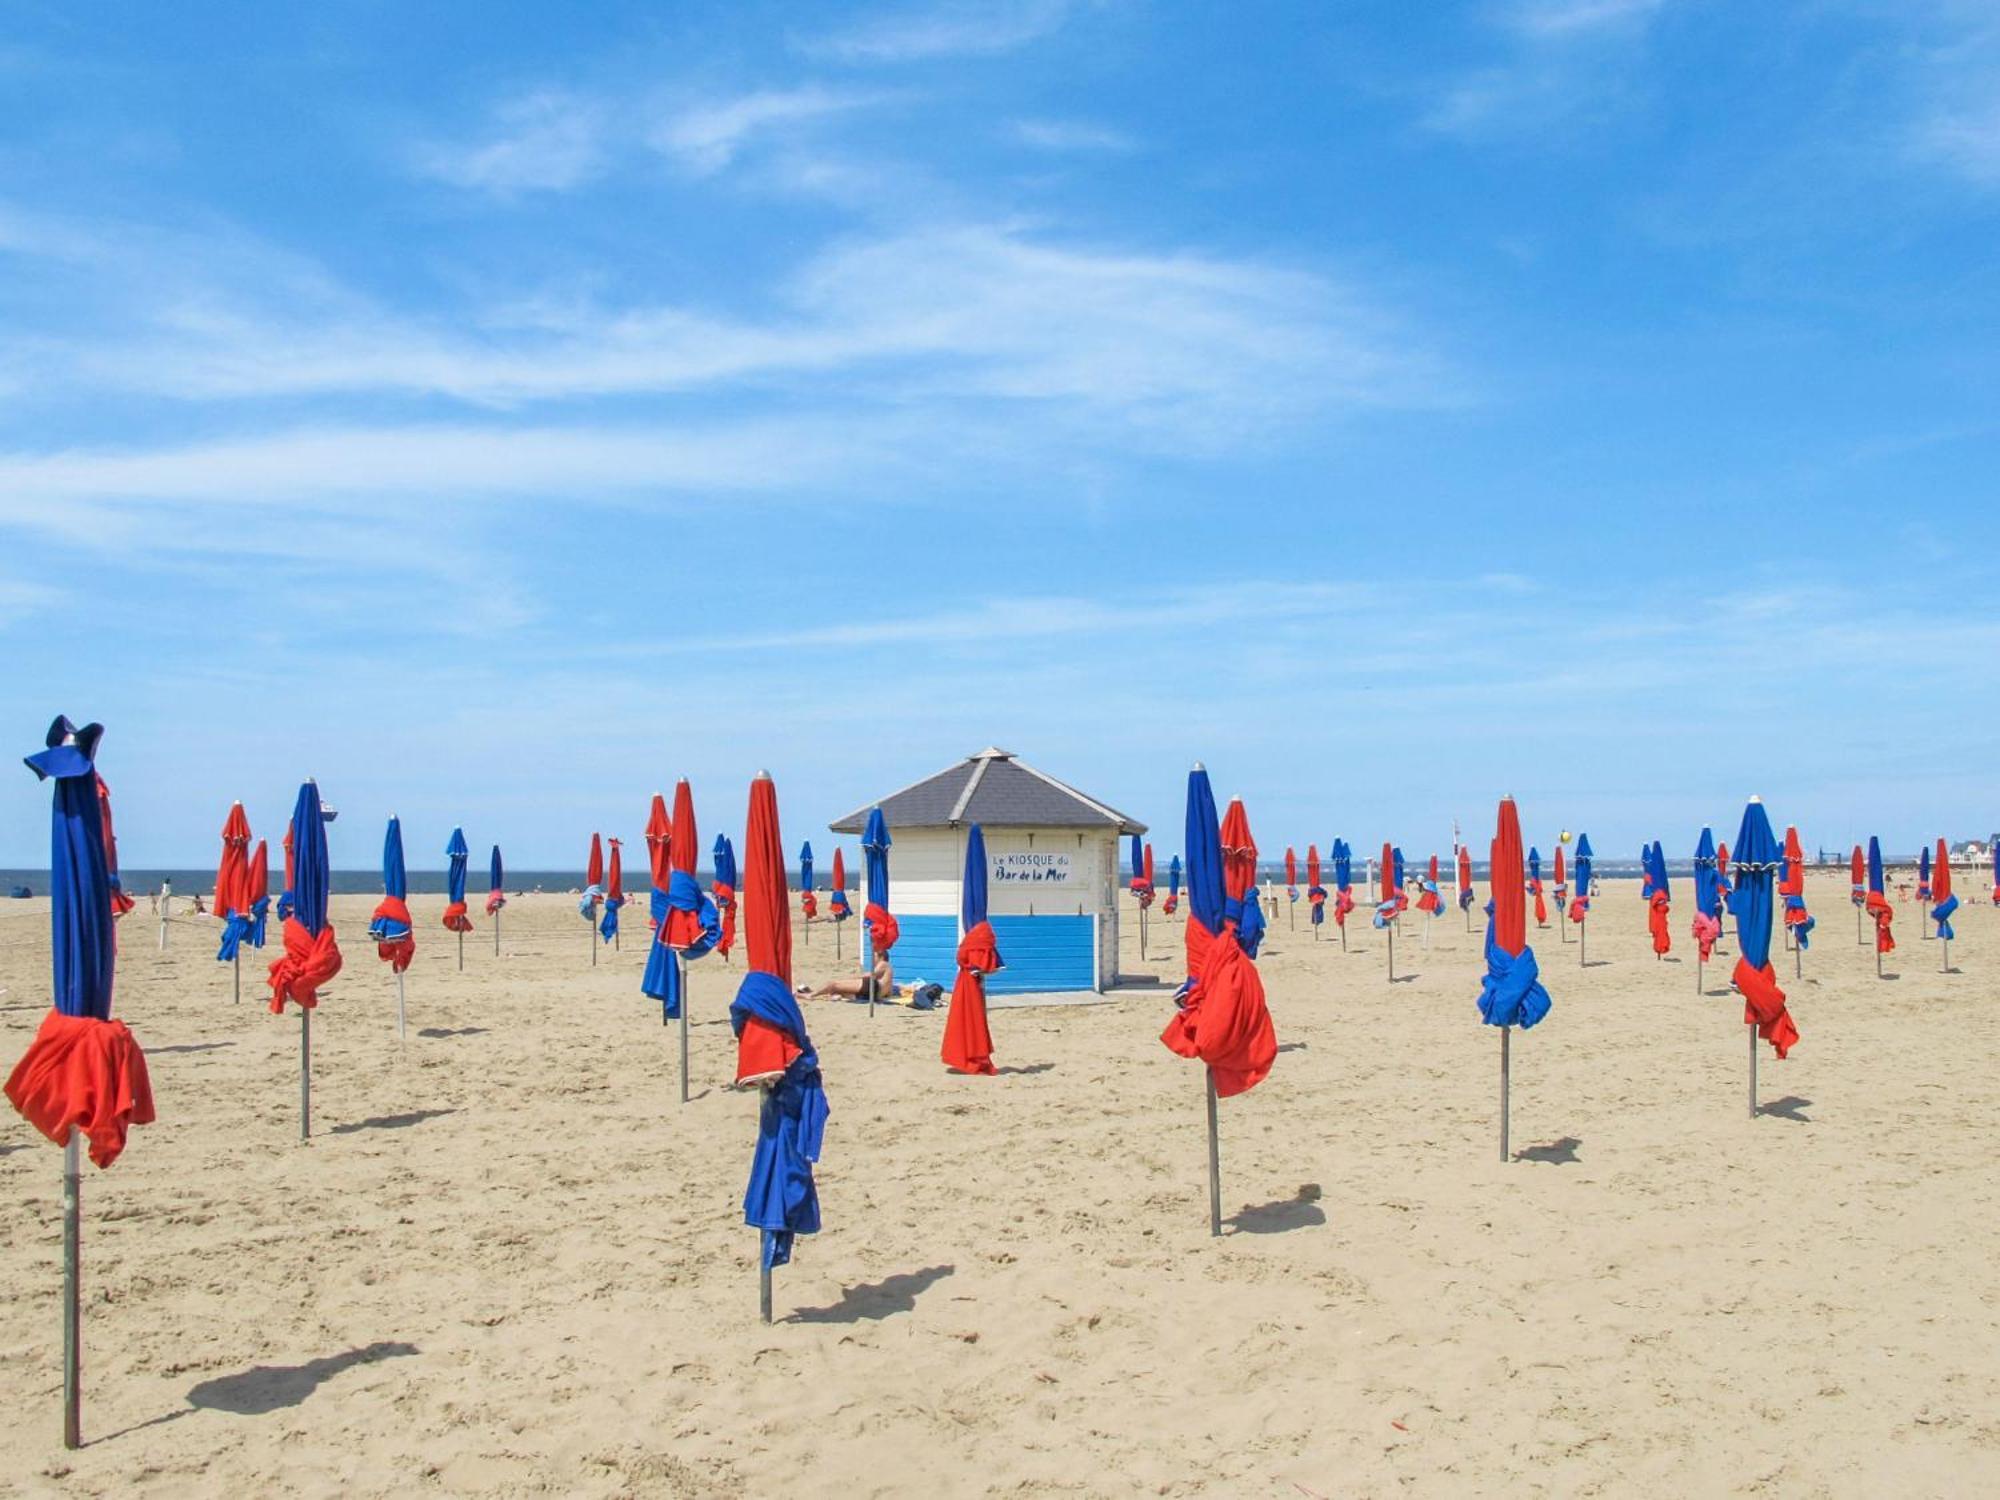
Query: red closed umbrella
[764,1050]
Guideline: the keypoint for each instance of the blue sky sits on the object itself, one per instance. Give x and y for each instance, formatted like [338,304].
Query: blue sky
[501,410]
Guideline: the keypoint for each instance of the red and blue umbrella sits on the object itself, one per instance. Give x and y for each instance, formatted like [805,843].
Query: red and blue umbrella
[1174,885]
[1924,874]
[1222,1019]
[395,940]
[968,1044]
[1579,906]
[691,926]
[1291,876]
[1315,892]
[1239,874]
[120,902]
[1753,903]
[1465,895]
[882,928]
[1707,895]
[808,899]
[723,888]
[496,883]
[1141,884]
[312,952]
[593,882]
[1535,886]
[781,1200]
[257,891]
[83,1077]
[84,1070]
[1429,901]
[836,898]
[1343,882]
[614,891]
[232,884]
[1792,887]
[1877,900]
[456,853]
[1659,899]
[1947,903]
[1512,993]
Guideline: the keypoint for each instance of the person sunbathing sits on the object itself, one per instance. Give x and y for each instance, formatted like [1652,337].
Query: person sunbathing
[856,987]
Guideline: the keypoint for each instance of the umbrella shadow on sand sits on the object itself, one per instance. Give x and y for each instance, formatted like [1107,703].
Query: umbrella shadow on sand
[391,1122]
[268,1388]
[1791,1107]
[1300,1211]
[440,1033]
[874,1300]
[1560,1153]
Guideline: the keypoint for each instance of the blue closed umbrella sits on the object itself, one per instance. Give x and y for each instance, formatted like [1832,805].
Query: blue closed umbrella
[1343,865]
[972,885]
[1707,888]
[1138,860]
[391,922]
[805,867]
[84,1076]
[875,855]
[496,875]
[1755,856]
[312,956]
[1206,896]
[1174,876]
[456,853]
[1924,873]
[312,866]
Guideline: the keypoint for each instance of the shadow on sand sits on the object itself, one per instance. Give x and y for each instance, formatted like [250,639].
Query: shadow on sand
[1301,1211]
[269,1388]
[1560,1153]
[391,1122]
[874,1300]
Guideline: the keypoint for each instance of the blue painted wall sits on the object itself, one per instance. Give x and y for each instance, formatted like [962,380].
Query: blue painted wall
[1042,954]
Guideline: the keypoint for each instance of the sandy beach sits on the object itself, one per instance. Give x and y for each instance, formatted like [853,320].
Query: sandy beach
[510,1262]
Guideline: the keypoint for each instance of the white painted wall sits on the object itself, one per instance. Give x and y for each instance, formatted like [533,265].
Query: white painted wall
[926,864]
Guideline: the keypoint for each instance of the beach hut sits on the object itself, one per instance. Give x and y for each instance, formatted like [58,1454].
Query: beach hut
[1052,873]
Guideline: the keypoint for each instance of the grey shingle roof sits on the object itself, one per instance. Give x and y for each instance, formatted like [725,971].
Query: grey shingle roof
[996,789]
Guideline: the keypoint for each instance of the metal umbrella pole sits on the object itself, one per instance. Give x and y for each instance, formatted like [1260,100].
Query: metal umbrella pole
[763,1266]
[496,934]
[400,1036]
[1752,1029]
[305,1072]
[72,1291]
[1214,1160]
[236,962]
[1506,1077]
[681,974]
[461,949]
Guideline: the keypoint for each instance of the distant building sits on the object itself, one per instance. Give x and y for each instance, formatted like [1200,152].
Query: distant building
[1052,873]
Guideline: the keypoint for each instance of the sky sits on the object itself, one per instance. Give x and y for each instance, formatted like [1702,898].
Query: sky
[500,410]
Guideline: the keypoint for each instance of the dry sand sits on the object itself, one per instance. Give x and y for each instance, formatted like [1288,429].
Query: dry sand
[510,1262]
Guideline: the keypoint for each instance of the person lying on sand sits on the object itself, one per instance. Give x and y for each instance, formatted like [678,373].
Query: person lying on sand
[856,988]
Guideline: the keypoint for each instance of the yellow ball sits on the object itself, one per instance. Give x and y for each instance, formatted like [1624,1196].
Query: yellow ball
[1563,837]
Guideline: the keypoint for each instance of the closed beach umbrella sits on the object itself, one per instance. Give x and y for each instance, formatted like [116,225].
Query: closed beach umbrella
[1343,886]
[1877,902]
[1389,891]
[691,925]
[1222,1019]
[808,901]
[882,928]
[456,853]
[614,891]
[1792,887]
[1239,877]
[1151,889]
[232,885]
[1763,1002]
[1923,874]
[1465,895]
[1579,906]
[1707,897]
[1658,900]
[1292,883]
[1560,884]
[773,1050]
[1946,902]
[1535,887]
[1511,994]
[395,942]
[1722,882]
[286,900]
[1429,900]
[724,891]
[83,1078]
[836,897]
[1315,892]
[115,894]
[257,891]
[312,951]
[496,883]
[968,1044]
[1174,885]
[659,957]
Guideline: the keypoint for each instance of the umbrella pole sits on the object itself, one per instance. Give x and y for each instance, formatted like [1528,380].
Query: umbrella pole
[305,1073]
[1142,932]
[836,939]
[681,974]
[1392,950]
[400,1033]
[236,962]
[1506,1080]
[1214,1161]
[72,1292]
[590,935]
[1858,938]
[461,950]
[1343,937]
[496,934]
[1752,1029]
[763,1261]
[1582,946]
[1700,972]
[1945,966]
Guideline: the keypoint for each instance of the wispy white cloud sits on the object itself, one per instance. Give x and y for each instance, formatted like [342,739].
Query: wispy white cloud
[546,141]
[1070,135]
[968,28]
[707,138]
[1955,75]
[1574,18]
[1175,341]
[1561,59]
